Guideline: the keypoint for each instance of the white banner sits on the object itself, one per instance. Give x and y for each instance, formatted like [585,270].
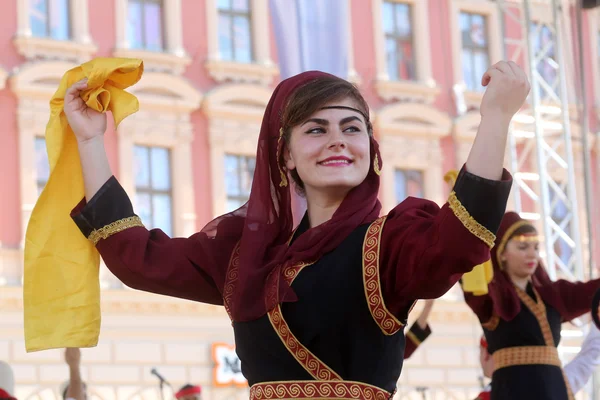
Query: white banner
[228,367]
[311,35]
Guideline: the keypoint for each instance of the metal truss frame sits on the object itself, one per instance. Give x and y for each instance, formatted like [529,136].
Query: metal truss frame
[540,141]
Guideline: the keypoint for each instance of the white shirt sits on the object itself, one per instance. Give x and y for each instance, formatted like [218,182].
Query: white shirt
[581,368]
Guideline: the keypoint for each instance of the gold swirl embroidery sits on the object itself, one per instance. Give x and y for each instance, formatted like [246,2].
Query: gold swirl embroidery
[311,363]
[469,222]
[291,272]
[388,323]
[114,227]
[287,390]
[231,279]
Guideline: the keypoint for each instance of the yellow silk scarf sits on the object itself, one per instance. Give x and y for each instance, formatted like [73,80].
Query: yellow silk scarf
[61,289]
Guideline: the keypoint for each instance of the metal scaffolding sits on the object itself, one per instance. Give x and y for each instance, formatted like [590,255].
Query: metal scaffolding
[540,141]
[541,153]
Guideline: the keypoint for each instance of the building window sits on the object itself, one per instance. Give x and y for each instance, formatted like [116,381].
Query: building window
[399,43]
[153,189]
[408,183]
[543,47]
[42,166]
[235,34]
[50,19]
[239,171]
[145,25]
[475,49]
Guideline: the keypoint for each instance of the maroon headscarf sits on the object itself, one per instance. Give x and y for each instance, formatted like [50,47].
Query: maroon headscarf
[506,302]
[263,226]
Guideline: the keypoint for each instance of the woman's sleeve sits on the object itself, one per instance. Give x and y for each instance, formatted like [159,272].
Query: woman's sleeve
[575,297]
[425,249]
[148,260]
[414,337]
[483,307]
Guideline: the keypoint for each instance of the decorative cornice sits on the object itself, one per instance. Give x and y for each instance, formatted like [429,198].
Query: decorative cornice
[38,79]
[411,119]
[125,302]
[237,102]
[34,47]
[414,92]
[157,61]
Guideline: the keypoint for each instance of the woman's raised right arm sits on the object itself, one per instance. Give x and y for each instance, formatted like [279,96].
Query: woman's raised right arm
[143,259]
[88,126]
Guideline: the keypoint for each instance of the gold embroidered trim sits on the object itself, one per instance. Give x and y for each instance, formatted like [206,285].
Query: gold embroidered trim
[291,272]
[231,278]
[114,227]
[311,363]
[469,222]
[413,338]
[526,355]
[538,309]
[388,323]
[491,323]
[289,390]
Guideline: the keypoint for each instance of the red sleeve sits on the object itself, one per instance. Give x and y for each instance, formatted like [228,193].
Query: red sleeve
[409,348]
[576,297]
[148,260]
[483,307]
[425,249]
[414,337]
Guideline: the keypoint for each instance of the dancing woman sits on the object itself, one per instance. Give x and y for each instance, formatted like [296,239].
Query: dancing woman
[522,313]
[317,311]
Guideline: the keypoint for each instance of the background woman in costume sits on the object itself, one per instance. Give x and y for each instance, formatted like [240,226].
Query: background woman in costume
[522,313]
[578,371]
[324,303]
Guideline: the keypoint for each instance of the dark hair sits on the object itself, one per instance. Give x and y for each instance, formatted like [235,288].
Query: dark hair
[311,97]
[523,230]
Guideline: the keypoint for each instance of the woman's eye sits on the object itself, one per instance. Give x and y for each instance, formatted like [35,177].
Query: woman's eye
[316,130]
[352,129]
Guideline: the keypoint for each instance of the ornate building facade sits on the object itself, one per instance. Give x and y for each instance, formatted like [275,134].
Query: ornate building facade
[187,156]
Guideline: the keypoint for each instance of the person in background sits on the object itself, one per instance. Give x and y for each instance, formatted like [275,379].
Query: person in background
[7,382]
[189,392]
[487,368]
[419,331]
[75,388]
[578,372]
[522,313]
[581,368]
